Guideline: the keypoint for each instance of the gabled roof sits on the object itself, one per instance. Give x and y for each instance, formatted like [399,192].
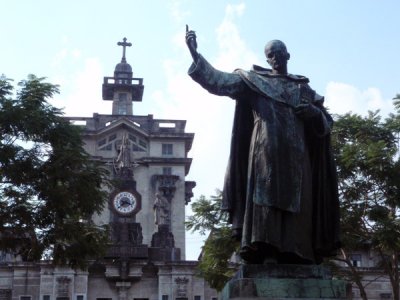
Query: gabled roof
[122,122]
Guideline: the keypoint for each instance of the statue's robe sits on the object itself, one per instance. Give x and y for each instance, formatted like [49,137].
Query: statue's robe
[161,210]
[280,186]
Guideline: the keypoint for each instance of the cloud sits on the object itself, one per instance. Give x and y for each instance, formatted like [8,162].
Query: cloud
[59,57]
[65,55]
[175,9]
[342,98]
[80,92]
[76,53]
[233,51]
[208,116]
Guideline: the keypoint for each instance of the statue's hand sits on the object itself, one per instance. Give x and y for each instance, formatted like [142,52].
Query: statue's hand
[192,43]
[306,111]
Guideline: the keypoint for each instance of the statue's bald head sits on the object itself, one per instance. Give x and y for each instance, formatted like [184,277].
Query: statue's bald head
[277,56]
[275,44]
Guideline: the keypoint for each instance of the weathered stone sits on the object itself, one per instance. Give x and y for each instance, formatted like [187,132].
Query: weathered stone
[284,271]
[284,281]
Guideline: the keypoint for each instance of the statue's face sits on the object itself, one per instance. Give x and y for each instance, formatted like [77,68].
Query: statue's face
[277,56]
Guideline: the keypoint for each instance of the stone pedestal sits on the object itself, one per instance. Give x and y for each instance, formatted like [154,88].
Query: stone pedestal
[163,246]
[163,238]
[274,281]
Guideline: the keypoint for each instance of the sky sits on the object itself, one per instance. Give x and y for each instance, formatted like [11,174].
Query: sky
[350,51]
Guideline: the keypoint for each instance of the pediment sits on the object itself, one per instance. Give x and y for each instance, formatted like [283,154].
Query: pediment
[123,123]
[109,137]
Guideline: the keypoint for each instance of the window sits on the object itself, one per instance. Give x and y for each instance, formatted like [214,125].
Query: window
[355,260]
[122,96]
[101,143]
[112,137]
[214,298]
[106,148]
[5,294]
[3,256]
[122,109]
[80,297]
[166,149]
[123,81]
[164,297]
[46,297]
[167,171]
[132,138]
[142,143]
[197,297]
[25,297]
[137,149]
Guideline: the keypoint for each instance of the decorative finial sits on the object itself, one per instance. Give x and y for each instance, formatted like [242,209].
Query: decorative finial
[124,44]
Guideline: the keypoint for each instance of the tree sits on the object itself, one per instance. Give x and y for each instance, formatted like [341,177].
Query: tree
[367,156]
[214,266]
[49,187]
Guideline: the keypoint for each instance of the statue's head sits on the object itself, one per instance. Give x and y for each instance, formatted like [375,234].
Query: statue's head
[277,56]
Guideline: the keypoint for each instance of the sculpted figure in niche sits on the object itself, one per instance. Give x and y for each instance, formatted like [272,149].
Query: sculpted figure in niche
[161,210]
[280,185]
[123,159]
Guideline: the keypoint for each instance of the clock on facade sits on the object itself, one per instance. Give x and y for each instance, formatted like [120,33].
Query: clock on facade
[125,203]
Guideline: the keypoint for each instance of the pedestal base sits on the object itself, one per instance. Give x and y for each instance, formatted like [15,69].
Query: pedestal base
[275,281]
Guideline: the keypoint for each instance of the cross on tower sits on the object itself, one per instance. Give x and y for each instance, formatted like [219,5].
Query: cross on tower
[124,44]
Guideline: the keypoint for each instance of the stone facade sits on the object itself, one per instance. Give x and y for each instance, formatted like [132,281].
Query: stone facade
[146,212]
[367,263]
[146,140]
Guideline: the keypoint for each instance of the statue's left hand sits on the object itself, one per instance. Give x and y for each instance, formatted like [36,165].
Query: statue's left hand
[306,111]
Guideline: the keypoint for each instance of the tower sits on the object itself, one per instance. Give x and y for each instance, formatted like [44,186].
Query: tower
[147,158]
[122,89]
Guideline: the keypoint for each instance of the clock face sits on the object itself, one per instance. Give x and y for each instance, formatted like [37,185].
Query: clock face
[124,203]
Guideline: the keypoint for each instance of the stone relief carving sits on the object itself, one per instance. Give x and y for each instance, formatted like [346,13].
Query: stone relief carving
[181,289]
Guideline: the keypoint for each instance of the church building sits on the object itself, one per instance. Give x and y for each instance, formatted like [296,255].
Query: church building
[148,159]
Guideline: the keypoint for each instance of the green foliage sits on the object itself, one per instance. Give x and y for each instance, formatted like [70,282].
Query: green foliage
[49,187]
[207,214]
[367,156]
[215,266]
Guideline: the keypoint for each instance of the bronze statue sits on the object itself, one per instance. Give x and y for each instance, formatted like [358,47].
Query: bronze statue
[280,185]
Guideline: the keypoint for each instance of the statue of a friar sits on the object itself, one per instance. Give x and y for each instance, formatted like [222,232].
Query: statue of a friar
[280,185]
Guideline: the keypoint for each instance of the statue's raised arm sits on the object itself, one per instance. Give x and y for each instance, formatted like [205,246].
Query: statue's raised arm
[215,81]
[191,42]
